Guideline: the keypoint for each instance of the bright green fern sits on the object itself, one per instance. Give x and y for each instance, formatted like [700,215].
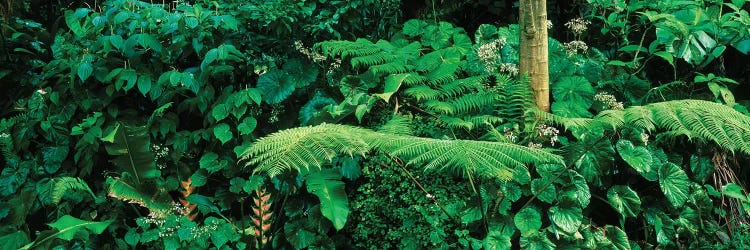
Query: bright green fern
[301,148]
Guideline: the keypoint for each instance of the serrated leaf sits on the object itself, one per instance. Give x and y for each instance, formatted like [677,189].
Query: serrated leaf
[528,221]
[53,157]
[223,133]
[85,70]
[637,157]
[326,184]
[624,200]
[567,216]
[674,184]
[247,126]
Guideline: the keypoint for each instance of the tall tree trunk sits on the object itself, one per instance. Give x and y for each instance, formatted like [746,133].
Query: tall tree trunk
[534,55]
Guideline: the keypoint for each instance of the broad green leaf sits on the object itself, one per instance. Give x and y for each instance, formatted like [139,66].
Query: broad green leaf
[618,237]
[131,148]
[247,126]
[275,86]
[574,89]
[210,57]
[121,16]
[84,70]
[132,237]
[223,133]
[299,73]
[528,221]
[734,191]
[497,240]
[536,242]
[14,240]
[548,194]
[567,216]
[674,183]
[220,111]
[53,157]
[624,200]
[392,84]
[637,157]
[68,226]
[326,184]
[144,84]
[413,27]
[211,163]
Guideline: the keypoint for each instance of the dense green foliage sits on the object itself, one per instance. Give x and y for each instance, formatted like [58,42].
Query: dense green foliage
[371,124]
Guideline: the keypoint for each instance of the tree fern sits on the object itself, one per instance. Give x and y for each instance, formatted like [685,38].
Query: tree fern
[301,148]
[695,119]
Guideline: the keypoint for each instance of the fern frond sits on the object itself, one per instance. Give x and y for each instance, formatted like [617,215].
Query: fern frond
[398,125]
[305,147]
[300,148]
[488,159]
[61,185]
[456,123]
[345,49]
[463,85]
[440,107]
[423,92]
[391,68]
[695,119]
[514,98]
[472,102]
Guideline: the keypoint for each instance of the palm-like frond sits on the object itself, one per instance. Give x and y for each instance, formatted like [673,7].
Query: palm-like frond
[125,192]
[695,119]
[305,147]
[301,148]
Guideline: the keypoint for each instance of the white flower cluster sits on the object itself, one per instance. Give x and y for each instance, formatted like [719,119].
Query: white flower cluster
[4,135]
[609,100]
[578,25]
[549,24]
[489,54]
[573,47]
[312,55]
[276,110]
[509,68]
[644,138]
[509,134]
[548,132]
[161,153]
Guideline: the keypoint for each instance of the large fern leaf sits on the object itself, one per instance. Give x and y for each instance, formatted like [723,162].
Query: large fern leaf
[301,148]
[305,147]
[696,119]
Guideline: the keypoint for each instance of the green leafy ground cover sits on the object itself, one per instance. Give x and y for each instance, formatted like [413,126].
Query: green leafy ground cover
[325,124]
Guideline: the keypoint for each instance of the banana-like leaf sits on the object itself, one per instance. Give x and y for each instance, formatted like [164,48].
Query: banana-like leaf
[327,185]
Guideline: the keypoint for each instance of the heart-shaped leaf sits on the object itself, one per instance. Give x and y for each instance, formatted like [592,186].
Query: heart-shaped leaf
[223,133]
